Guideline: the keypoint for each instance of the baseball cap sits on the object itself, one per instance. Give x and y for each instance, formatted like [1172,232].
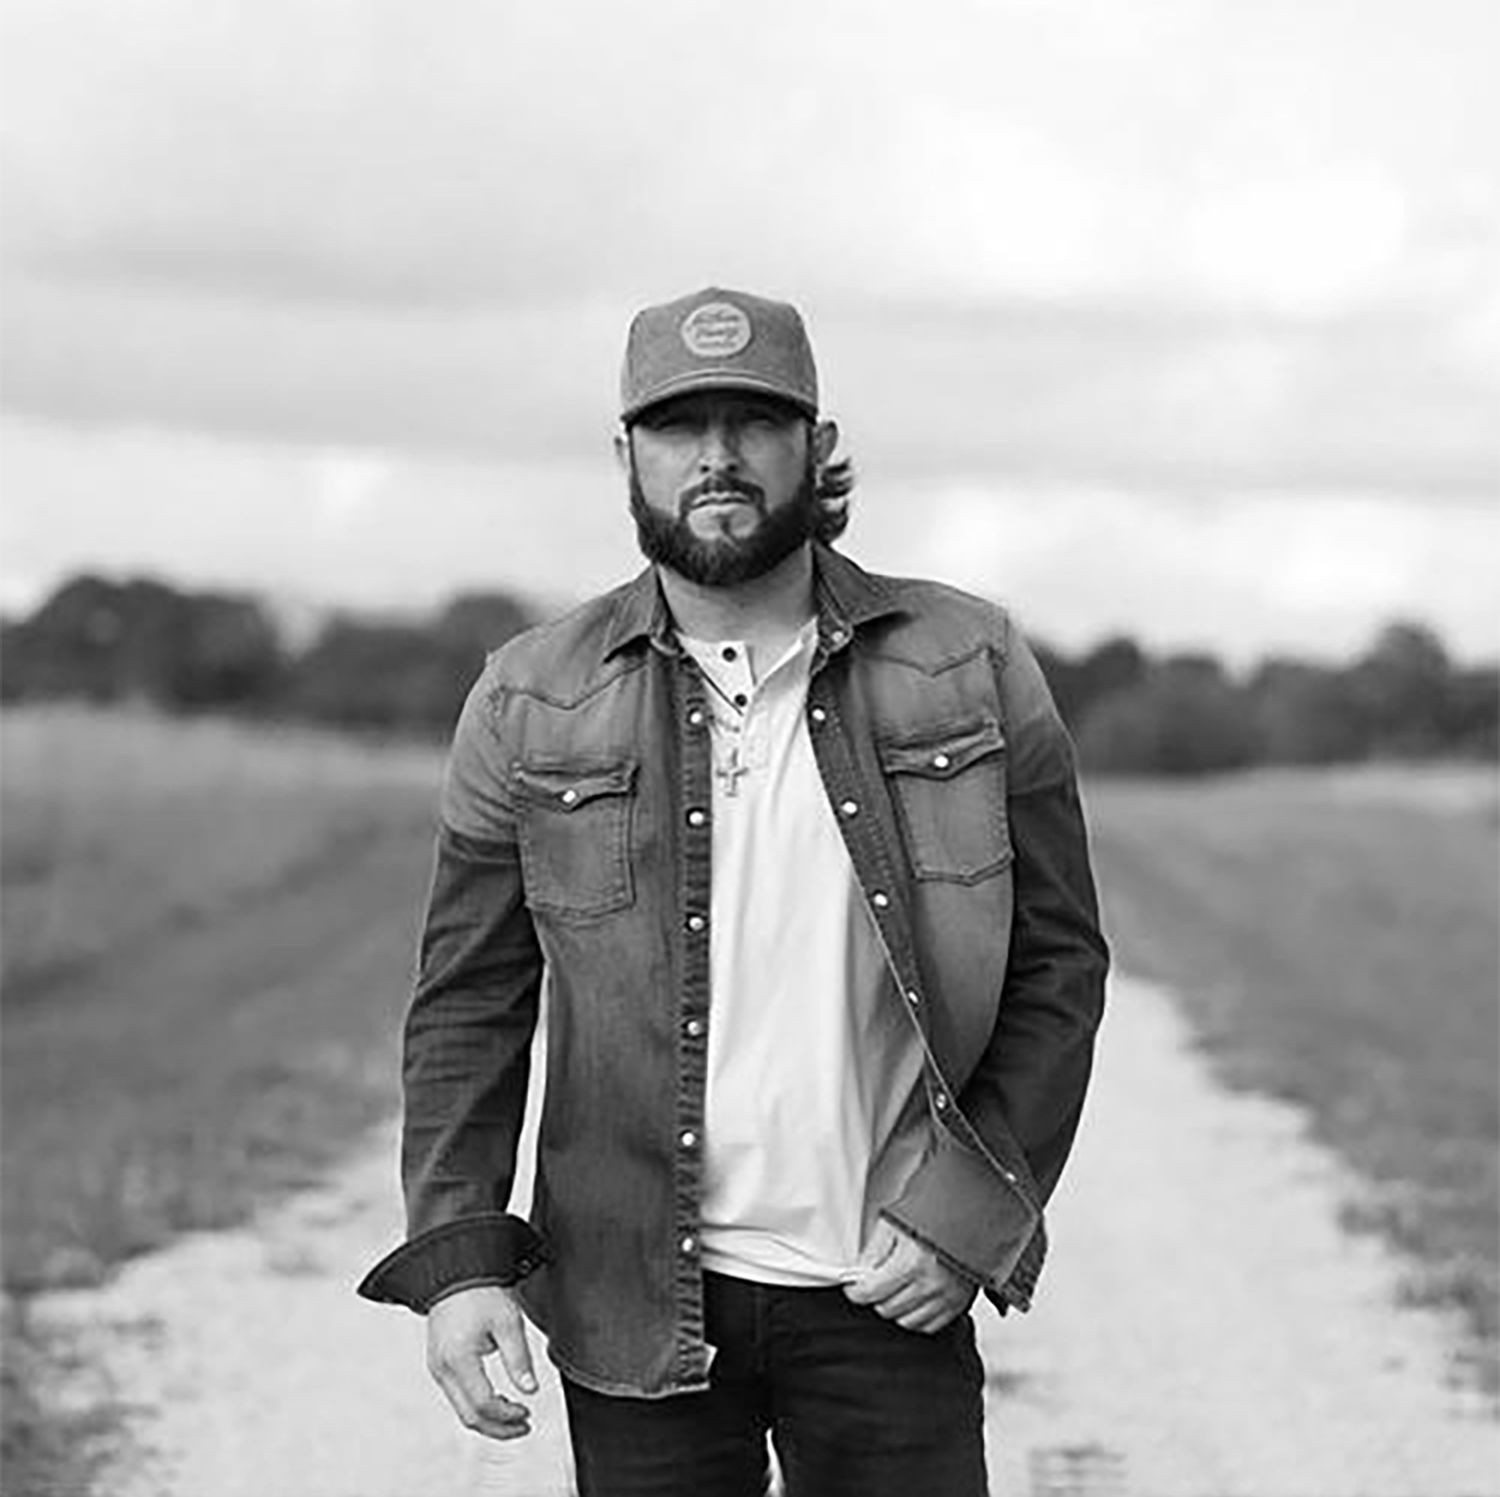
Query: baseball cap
[717,340]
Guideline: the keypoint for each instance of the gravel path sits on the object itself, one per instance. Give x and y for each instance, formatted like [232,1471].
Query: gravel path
[1204,1330]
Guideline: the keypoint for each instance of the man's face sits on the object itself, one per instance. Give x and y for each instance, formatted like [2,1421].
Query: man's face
[721,484]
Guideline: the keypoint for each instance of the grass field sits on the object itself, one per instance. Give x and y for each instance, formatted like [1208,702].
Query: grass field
[207,935]
[1335,938]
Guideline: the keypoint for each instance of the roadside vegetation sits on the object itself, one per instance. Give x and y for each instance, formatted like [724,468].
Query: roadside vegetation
[1334,937]
[206,934]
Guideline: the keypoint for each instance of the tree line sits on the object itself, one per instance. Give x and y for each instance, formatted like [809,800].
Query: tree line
[1130,711]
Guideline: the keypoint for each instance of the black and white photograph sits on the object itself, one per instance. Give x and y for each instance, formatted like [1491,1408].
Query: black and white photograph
[750,750]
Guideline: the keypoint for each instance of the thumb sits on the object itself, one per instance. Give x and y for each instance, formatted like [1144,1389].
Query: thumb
[508,1330]
[882,1241]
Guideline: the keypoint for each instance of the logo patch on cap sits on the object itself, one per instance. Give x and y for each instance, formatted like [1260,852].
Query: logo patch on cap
[715,330]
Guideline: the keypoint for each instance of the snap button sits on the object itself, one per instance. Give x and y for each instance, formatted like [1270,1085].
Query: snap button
[913,997]
[880,899]
[730,653]
[940,1101]
[696,817]
[819,714]
[689,1244]
[695,717]
[694,1028]
[741,700]
[687,1138]
[568,797]
[941,761]
[849,807]
[696,922]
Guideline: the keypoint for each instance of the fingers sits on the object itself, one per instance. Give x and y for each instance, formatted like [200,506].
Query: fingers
[883,1242]
[929,1319]
[466,1386]
[509,1332]
[898,1264]
[461,1330]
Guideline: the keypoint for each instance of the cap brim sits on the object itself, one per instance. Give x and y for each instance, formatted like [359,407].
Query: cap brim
[715,379]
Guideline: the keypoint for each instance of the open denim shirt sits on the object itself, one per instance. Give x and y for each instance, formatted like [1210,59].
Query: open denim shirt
[570,844]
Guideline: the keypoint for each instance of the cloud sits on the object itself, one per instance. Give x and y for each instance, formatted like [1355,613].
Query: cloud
[1310,571]
[1304,573]
[1185,251]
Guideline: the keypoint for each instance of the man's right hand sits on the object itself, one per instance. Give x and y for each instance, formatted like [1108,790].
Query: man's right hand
[462,1329]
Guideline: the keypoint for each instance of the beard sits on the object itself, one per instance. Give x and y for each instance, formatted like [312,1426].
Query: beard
[725,560]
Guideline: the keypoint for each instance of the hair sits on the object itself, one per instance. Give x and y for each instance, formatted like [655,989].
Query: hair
[833,483]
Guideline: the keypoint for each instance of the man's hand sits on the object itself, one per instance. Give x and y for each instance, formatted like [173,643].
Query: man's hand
[905,1281]
[462,1329]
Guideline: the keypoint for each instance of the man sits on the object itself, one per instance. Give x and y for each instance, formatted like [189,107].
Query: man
[800,852]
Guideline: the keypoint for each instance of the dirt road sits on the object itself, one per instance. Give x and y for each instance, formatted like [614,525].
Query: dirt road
[1204,1330]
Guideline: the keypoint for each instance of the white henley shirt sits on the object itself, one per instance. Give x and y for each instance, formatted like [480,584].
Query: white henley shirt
[813,1115]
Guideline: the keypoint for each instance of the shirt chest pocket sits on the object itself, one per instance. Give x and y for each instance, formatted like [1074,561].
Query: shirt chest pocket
[575,833]
[948,788]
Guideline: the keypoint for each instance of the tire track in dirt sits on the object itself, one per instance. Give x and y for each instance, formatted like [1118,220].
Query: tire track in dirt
[1205,1329]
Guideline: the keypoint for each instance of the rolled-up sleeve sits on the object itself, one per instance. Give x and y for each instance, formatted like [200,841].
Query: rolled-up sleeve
[467,1039]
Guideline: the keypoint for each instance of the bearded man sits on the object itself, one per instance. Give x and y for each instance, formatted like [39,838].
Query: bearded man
[800,853]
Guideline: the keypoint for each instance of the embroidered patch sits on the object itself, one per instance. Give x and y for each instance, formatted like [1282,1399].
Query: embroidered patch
[715,330]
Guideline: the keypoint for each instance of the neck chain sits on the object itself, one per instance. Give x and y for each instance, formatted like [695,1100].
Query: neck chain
[724,697]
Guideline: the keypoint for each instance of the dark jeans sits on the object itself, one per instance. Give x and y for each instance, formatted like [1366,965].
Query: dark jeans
[853,1404]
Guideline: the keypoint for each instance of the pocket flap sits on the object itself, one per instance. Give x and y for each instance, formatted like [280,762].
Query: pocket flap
[566,787]
[941,756]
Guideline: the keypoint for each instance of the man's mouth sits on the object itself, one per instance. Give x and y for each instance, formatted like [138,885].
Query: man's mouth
[720,496]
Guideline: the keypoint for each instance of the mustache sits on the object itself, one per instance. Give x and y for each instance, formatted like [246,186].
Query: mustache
[706,490]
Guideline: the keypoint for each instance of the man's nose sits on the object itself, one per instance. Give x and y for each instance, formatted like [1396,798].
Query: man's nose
[719,450]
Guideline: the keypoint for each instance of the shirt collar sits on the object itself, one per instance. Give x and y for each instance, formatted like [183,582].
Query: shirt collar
[847,598]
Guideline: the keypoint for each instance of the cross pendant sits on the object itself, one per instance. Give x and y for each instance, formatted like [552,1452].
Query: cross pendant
[731,770]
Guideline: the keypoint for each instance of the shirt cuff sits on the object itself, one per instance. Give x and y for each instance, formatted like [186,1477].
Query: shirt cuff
[959,1205]
[495,1248]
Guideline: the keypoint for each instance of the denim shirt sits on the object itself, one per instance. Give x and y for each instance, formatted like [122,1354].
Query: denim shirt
[575,842]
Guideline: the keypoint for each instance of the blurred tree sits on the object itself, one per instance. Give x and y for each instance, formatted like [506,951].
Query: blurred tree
[107,641]
[1307,714]
[1077,684]
[1180,719]
[370,674]
[1399,689]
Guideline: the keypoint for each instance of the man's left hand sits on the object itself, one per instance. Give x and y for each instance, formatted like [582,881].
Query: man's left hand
[905,1281]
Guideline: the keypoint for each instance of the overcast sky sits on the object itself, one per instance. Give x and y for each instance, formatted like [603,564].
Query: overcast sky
[1180,316]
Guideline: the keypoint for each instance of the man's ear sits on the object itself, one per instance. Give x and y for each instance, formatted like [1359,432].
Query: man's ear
[825,440]
[622,449]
